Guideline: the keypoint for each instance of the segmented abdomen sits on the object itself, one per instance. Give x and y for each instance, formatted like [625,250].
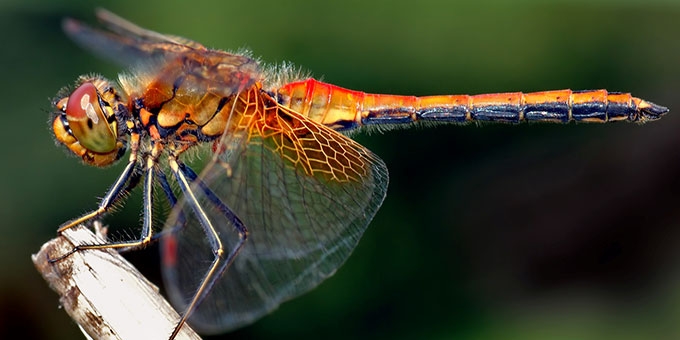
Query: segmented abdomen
[344,109]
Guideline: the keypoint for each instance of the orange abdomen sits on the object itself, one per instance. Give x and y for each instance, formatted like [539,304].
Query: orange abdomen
[344,109]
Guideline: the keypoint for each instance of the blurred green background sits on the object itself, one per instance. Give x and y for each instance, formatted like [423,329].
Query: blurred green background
[494,232]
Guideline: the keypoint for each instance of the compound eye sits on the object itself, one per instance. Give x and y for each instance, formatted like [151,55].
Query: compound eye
[87,120]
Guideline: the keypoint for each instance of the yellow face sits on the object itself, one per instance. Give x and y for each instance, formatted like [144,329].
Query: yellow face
[86,122]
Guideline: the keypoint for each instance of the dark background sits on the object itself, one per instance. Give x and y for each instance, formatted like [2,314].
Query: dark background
[513,232]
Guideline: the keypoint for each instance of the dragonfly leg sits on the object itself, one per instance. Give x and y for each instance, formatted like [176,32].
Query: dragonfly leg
[222,259]
[147,224]
[172,199]
[127,180]
[112,196]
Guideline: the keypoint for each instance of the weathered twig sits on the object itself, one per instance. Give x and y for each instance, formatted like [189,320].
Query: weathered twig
[105,294]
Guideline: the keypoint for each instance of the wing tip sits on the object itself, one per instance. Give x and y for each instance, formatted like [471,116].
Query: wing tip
[70,25]
[104,15]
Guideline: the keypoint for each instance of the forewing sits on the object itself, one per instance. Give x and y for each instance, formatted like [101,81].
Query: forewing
[305,193]
[126,43]
[179,65]
[128,29]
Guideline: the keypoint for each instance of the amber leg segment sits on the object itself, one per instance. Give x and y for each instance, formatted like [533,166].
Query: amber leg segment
[344,109]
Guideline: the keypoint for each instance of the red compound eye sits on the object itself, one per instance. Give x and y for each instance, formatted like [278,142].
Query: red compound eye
[87,120]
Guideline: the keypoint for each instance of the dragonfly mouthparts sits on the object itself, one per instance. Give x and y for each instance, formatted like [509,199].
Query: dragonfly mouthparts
[650,111]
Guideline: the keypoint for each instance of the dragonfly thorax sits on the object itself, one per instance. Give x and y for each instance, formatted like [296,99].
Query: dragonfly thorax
[87,121]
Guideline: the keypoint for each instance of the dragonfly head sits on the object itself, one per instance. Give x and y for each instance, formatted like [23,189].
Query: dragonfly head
[87,122]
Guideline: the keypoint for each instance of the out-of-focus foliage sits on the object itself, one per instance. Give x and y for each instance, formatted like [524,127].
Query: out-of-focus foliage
[498,232]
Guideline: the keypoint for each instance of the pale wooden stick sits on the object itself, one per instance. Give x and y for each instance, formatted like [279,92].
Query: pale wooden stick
[105,294]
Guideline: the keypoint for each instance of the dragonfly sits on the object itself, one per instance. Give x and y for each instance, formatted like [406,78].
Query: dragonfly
[284,194]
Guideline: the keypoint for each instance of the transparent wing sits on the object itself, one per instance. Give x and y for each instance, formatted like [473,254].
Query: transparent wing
[126,43]
[170,60]
[305,193]
[142,35]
